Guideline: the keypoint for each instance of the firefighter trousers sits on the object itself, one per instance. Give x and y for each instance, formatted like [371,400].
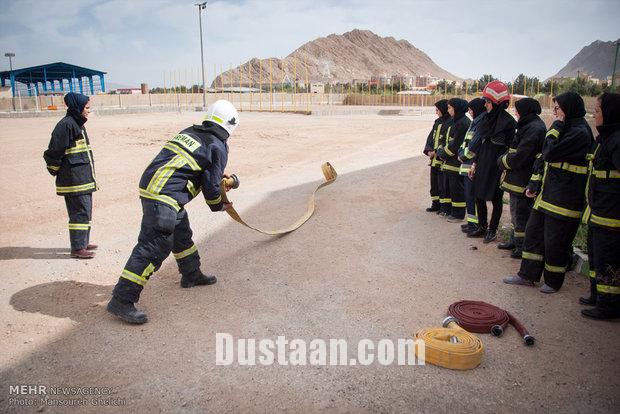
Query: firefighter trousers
[470,201]
[520,208]
[80,209]
[163,230]
[454,182]
[604,261]
[496,215]
[445,202]
[546,248]
[435,186]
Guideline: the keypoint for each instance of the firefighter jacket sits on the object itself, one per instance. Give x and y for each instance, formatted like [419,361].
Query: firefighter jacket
[519,159]
[604,181]
[436,138]
[472,140]
[458,127]
[193,160]
[70,158]
[562,170]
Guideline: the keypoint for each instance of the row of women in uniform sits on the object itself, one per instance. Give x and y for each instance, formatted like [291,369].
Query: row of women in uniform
[557,177]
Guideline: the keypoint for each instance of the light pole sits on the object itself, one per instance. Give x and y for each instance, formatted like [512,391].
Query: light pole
[11,55]
[613,74]
[202,6]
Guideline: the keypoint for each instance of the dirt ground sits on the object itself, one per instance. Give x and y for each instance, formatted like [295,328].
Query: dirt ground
[370,264]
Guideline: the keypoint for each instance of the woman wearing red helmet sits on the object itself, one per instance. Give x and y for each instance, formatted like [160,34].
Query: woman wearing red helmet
[496,133]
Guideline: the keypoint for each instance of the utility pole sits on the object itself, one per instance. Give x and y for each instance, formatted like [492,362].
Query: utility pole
[202,6]
[613,74]
[11,55]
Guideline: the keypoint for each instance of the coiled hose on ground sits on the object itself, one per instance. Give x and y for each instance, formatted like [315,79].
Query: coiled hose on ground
[482,317]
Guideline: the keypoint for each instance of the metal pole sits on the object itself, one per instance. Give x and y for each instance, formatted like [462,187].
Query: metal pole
[202,59]
[613,74]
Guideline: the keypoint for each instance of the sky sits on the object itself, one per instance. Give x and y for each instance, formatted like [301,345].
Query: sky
[144,40]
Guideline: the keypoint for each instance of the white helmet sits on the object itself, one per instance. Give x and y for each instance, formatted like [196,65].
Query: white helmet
[224,114]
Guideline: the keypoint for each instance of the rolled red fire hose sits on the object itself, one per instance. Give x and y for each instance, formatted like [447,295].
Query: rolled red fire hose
[482,317]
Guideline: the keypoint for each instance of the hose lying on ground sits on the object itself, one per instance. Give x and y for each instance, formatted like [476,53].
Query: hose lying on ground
[482,317]
[330,176]
[450,347]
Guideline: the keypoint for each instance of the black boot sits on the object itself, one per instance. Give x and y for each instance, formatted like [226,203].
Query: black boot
[433,207]
[197,278]
[508,245]
[465,226]
[590,300]
[126,311]
[490,236]
[600,314]
[477,233]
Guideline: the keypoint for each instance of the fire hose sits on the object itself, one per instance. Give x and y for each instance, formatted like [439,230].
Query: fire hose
[450,347]
[481,317]
[233,182]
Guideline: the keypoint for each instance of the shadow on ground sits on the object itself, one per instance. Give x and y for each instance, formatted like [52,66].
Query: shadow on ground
[369,264]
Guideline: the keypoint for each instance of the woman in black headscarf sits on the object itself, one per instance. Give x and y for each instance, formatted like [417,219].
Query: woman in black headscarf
[517,163]
[496,132]
[70,159]
[430,150]
[562,170]
[603,212]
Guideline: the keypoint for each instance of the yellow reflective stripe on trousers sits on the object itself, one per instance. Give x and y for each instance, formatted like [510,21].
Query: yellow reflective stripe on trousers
[577,169]
[555,269]
[79,226]
[472,219]
[519,234]
[53,167]
[532,256]
[181,152]
[435,198]
[185,253]
[592,274]
[512,187]
[458,204]
[132,277]
[557,209]
[603,221]
[445,200]
[161,198]
[76,188]
[610,290]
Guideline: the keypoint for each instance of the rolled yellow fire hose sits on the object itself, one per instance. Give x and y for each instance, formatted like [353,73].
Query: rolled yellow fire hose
[451,346]
[330,176]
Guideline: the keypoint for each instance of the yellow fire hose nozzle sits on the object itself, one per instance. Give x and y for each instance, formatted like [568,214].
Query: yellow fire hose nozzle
[232,181]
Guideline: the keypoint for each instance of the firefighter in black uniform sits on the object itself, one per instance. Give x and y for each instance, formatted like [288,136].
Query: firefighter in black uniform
[467,155]
[453,180]
[558,182]
[70,159]
[430,150]
[192,161]
[603,212]
[518,162]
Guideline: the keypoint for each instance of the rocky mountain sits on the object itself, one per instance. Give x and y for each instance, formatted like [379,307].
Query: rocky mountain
[596,60]
[358,54]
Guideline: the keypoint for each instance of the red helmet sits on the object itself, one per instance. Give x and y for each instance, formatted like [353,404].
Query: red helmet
[496,92]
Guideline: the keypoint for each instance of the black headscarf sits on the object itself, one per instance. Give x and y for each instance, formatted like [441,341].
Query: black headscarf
[571,104]
[442,105]
[75,106]
[610,106]
[493,122]
[477,106]
[460,107]
[528,109]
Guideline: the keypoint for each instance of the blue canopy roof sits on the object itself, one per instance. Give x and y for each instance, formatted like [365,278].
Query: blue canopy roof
[49,73]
